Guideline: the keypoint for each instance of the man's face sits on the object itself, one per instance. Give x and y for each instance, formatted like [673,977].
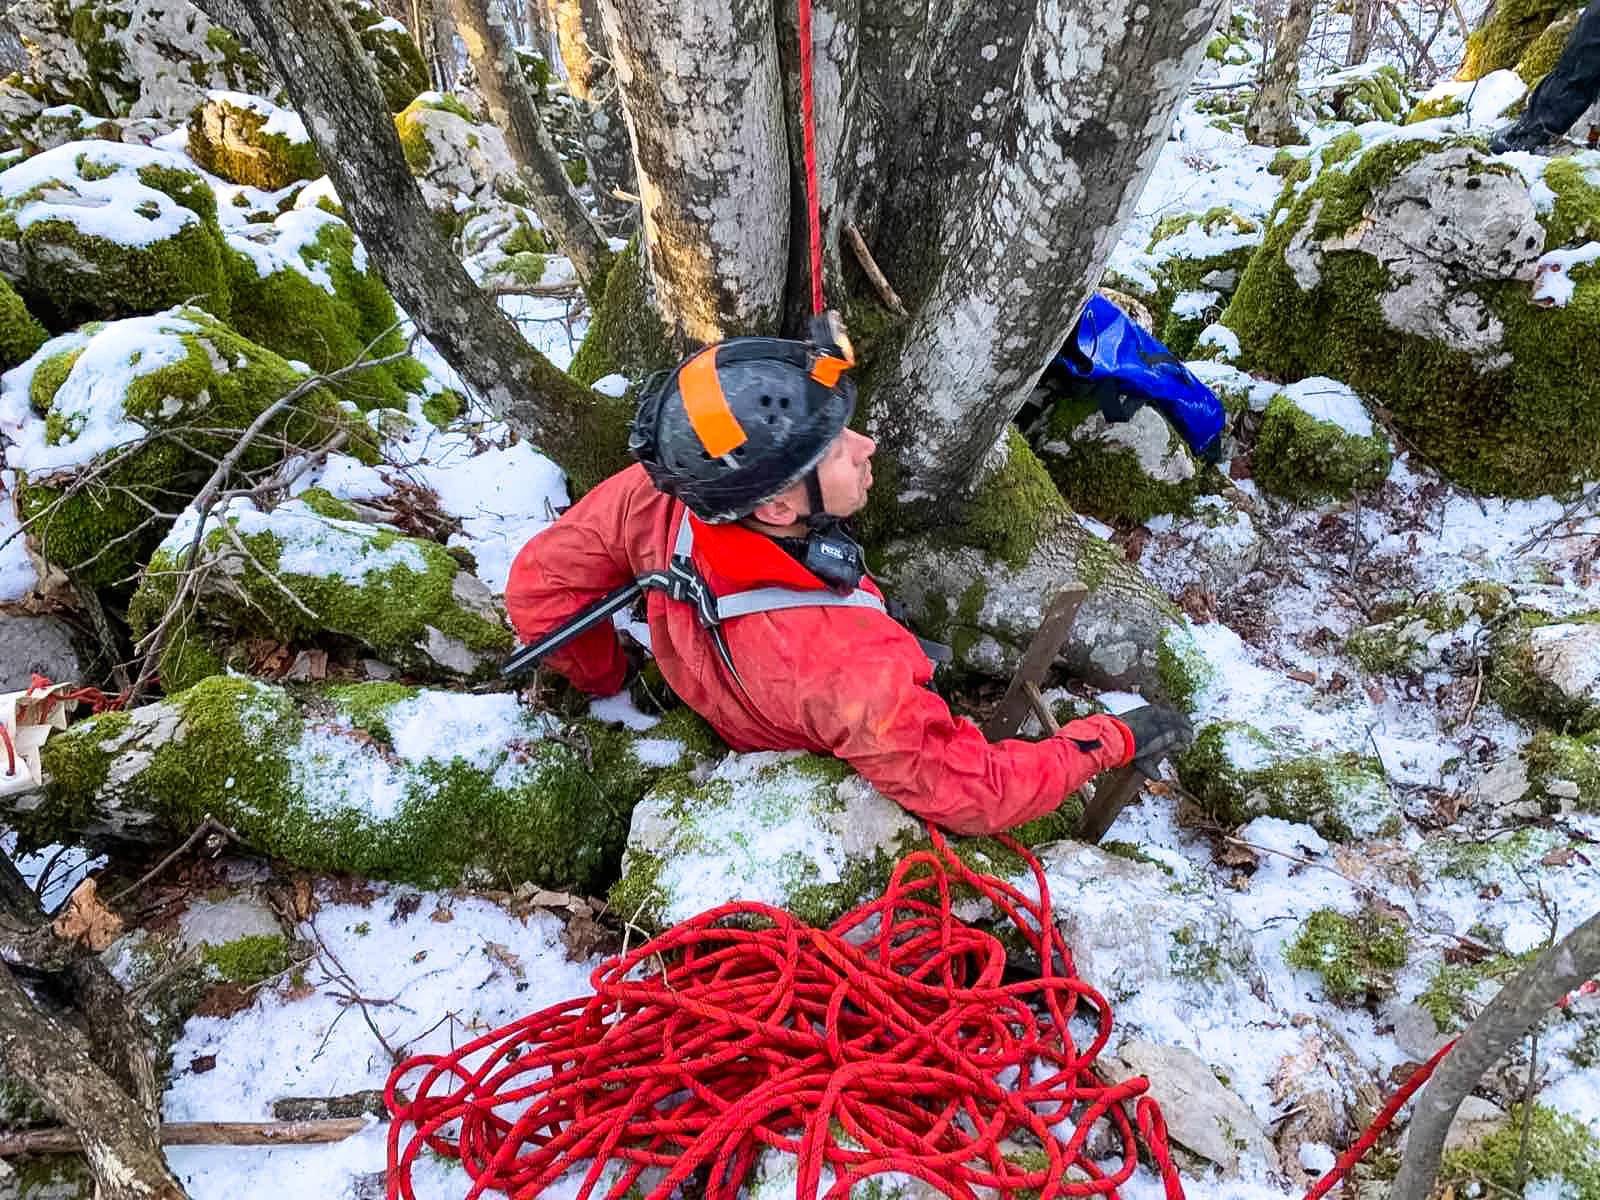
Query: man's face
[845,473]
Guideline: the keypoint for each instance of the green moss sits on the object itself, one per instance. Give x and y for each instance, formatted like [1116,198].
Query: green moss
[443,407]
[247,154]
[1526,428]
[1307,460]
[300,319]
[524,267]
[1542,53]
[1355,956]
[1512,28]
[525,239]
[20,334]
[1338,794]
[1564,762]
[1013,505]
[1576,215]
[637,897]
[250,959]
[1181,668]
[626,337]
[553,811]
[52,1177]
[1439,106]
[393,611]
[323,502]
[1449,996]
[1518,688]
[394,56]
[1559,1148]
[1486,861]
[366,705]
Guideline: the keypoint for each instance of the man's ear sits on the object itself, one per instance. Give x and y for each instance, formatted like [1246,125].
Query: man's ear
[780,510]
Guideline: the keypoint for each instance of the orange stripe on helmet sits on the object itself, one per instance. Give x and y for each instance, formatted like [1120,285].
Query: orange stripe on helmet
[710,417]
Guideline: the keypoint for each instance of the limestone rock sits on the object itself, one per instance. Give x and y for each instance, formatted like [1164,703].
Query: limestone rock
[30,645]
[1133,469]
[797,831]
[252,141]
[1202,1115]
[458,159]
[1550,672]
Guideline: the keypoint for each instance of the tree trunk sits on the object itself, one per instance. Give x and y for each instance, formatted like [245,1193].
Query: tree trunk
[700,82]
[332,85]
[442,46]
[52,1058]
[581,37]
[482,26]
[1364,15]
[1521,1005]
[1270,121]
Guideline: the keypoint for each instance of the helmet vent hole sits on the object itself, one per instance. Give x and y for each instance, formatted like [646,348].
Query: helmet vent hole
[766,402]
[783,402]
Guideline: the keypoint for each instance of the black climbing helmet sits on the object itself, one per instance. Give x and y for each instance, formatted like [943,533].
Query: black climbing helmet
[741,421]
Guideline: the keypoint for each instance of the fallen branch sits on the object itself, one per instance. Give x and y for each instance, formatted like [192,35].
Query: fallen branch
[199,1133]
[570,287]
[874,272]
[208,825]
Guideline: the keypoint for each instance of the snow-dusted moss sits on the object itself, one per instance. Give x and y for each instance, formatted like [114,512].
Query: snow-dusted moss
[626,336]
[1305,458]
[302,287]
[1356,956]
[1558,1151]
[1565,770]
[434,788]
[1239,772]
[1200,258]
[394,55]
[1544,669]
[302,576]
[20,334]
[1474,374]
[91,230]
[1410,640]
[1380,96]
[248,140]
[95,396]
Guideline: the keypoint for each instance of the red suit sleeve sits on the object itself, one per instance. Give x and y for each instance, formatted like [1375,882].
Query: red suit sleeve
[576,561]
[905,741]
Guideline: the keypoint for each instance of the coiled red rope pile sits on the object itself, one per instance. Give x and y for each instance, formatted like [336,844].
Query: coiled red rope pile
[888,1042]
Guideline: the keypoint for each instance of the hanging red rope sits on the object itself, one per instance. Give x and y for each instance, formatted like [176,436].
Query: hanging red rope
[808,136]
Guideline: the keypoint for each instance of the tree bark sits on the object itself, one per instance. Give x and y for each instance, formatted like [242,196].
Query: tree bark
[1270,121]
[119,1140]
[1521,1005]
[1363,28]
[1043,203]
[482,26]
[581,37]
[442,46]
[332,85]
[700,83]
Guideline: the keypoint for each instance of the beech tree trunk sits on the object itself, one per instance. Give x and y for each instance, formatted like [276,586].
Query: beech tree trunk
[581,37]
[1364,16]
[331,84]
[1270,121]
[482,25]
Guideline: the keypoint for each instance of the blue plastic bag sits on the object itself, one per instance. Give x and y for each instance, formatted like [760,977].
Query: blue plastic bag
[1126,367]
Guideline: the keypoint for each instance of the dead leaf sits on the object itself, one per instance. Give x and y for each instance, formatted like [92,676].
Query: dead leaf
[584,936]
[1303,676]
[1200,604]
[1234,854]
[304,898]
[201,1063]
[405,907]
[1375,693]
[87,920]
[1239,467]
[442,915]
[502,955]
[223,1000]
[1564,856]
[419,956]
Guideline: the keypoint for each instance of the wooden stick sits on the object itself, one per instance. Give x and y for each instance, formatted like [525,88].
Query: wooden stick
[60,1140]
[1113,792]
[874,272]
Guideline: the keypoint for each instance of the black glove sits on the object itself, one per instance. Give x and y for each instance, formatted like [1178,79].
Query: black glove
[1157,732]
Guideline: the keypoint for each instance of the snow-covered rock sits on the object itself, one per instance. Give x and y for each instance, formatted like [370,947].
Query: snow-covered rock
[1316,442]
[1550,672]
[1202,1115]
[1217,546]
[459,160]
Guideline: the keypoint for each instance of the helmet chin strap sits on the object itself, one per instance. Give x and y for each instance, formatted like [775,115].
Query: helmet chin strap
[819,516]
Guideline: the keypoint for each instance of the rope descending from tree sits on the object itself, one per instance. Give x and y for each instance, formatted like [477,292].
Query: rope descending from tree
[888,1042]
[808,136]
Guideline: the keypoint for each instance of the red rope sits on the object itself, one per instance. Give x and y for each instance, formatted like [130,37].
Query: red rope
[97,700]
[888,1042]
[809,140]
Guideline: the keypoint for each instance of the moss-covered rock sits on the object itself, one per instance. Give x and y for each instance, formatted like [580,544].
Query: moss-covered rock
[394,55]
[1356,956]
[1131,470]
[1544,50]
[456,156]
[1564,772]
[51,1177]
[1512,28]
[1304,458]
[297,575]
[626,336]
[99,399]
[20,334]
[1239,772]
[90,230]
[1433,107]
[1431,317]
[1548,671]
[433,788]
[302,287]
[1382,95]
[1419,638]
[1199,259]
[1558,1150]
[252,141]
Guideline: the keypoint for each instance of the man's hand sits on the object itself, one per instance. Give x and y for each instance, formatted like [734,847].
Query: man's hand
[1157,732]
